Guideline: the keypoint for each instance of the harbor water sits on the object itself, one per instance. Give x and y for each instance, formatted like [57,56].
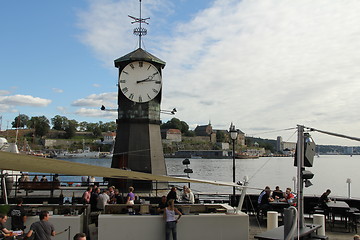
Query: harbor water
[330,171]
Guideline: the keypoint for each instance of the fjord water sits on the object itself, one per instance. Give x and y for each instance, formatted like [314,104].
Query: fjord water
[330,171]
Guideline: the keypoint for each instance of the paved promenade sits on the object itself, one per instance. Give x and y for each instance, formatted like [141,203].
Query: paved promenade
[338,233]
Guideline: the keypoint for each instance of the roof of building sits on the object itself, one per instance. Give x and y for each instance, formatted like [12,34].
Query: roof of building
[139,55]
[171,131]
[113,134]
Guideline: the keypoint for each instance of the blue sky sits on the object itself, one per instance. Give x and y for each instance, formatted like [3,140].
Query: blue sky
[264,65]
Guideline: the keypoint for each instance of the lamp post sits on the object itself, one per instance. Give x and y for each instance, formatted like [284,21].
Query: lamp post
[187,170]
[233,135]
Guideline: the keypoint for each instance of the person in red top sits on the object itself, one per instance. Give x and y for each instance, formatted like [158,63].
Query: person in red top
[290,197]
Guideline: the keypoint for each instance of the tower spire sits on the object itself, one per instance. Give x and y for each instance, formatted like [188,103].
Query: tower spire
[139,31]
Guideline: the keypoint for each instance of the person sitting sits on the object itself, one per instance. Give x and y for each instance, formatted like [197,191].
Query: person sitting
[277,193]
[264,200]
[324,198]
[3,230]
[162,205]
[191,196]
[43,179]
[172,194]
[36,178]
[56,178]
[185,196]
[290,197]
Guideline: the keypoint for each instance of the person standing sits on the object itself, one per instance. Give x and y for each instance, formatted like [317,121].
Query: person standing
[94,196]
[18,216]
[87,195]
[43,229]
[171,220]
[103,199]
[84,180]
[130,197]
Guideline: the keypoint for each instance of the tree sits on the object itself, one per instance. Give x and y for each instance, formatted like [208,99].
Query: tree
[176,124]
[220,136]
[108,127]
[184,127]
[59,122]
[41,125]
[20,121]
[70,128]
[83,126]
[97,131]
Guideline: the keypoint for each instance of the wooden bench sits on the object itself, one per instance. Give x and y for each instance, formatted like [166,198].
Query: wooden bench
[39,186]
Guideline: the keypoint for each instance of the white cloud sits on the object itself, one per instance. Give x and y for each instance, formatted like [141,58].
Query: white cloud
[24,100]
[96,100]
[96,85]
[260,63]
[62,110]
[5,108]
[4,92]
[57,90]
[97,113]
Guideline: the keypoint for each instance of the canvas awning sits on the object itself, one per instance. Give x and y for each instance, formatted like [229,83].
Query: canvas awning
[28,163]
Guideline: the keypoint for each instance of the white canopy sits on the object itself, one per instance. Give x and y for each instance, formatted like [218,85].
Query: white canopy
[21,162]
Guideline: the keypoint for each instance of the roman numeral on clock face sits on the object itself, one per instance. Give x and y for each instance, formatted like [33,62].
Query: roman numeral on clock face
[131,96]
[125,90]
[140,99]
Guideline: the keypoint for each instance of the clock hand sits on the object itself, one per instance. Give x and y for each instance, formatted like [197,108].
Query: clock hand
[148,79]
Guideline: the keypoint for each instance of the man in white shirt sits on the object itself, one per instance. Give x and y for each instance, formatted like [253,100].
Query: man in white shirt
[102,200]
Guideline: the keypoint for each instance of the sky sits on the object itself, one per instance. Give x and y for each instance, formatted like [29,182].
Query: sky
[265,66]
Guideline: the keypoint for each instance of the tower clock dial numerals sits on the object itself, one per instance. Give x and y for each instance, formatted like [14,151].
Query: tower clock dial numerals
[140,81]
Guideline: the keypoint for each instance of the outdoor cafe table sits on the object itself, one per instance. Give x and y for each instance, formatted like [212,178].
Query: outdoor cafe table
[337,208]
[278,206]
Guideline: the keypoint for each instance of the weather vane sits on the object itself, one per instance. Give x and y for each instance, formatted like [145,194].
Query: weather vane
[139,31]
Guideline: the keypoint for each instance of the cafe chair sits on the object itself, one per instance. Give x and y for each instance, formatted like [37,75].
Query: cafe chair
[354,219]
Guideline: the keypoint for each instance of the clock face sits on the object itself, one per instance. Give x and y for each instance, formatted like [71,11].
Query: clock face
[140,81]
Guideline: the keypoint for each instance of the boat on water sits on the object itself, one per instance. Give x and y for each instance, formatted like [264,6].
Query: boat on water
[85,153]
[10,176]
[245,156]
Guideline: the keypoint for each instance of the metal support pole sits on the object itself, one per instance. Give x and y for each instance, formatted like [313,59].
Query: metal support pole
[300,164]
[3,186]
[233,153]
[243,194]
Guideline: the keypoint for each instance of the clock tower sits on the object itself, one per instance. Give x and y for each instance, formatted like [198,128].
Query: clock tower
[138,145]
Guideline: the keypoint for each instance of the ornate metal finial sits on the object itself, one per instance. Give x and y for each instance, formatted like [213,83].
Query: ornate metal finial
[139,31]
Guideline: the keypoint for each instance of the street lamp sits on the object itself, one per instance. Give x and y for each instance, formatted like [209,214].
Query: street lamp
[233,135]
[187,170]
